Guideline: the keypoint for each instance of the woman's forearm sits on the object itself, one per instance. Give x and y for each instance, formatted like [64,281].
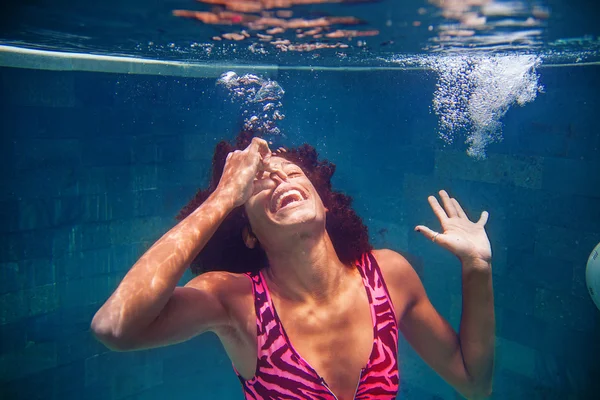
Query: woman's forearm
[147,287]
[477,326]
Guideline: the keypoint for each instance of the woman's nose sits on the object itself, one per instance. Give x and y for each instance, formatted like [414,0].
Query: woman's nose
[277,178]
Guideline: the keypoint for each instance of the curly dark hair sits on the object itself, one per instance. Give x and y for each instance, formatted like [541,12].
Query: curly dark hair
[226,251]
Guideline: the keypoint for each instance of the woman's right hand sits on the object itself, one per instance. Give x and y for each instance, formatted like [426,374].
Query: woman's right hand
[242,167]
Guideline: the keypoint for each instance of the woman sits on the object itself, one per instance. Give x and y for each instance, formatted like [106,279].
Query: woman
[341,304]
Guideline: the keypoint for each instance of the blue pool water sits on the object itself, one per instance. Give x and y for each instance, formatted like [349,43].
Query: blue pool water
[99,153]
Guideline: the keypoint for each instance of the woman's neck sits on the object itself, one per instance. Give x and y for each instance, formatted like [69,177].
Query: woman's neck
[307,271]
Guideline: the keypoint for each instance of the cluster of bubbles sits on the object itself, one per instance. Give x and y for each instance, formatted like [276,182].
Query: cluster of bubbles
[474,93]
[261,101]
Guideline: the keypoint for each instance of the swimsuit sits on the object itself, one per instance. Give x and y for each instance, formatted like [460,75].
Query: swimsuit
[281,373]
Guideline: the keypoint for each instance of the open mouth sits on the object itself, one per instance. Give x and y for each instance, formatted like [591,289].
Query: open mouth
[285,198]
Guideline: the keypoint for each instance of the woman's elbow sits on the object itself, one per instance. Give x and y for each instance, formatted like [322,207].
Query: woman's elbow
[108,335]
[488,391]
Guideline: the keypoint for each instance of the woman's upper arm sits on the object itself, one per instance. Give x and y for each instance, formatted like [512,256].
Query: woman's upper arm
[198,307]
[432,337]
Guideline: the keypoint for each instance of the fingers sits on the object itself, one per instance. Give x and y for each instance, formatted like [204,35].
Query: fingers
[265,152]
[262,147]
[231,154]
[257,152]
[484,218]
[273,169]
[448,204]
[459,209]
[428,233]
[276,172]
[437,209]
[453,206]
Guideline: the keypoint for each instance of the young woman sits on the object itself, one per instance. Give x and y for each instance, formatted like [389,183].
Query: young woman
[303,306]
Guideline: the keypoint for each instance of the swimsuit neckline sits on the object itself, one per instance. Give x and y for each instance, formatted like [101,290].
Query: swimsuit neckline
[299,356]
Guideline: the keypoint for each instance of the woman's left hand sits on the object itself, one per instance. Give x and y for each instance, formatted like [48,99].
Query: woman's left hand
[464,238]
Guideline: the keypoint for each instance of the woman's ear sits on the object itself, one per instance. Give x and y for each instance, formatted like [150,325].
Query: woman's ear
[249,238]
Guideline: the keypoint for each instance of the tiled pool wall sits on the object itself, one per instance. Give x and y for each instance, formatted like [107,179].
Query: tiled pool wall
[95,166]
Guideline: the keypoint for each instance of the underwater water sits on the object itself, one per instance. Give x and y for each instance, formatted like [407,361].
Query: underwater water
[99,151]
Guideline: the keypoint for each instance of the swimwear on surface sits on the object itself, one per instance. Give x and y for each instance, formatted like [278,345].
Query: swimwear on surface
[281,373]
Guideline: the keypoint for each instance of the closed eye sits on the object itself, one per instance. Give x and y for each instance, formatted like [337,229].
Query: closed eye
[293,173]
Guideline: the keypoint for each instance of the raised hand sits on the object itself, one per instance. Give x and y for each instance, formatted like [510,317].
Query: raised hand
[464,238]
[242,166]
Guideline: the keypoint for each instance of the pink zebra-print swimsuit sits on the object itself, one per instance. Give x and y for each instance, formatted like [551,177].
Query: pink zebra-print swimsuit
[281,373]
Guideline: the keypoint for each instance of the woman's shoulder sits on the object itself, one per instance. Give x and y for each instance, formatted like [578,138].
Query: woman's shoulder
[233,290]
[397,270]
[227,285]
[222,281]
[390,259]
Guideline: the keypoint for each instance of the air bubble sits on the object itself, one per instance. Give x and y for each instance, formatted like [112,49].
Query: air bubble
[474,93]
[257,95]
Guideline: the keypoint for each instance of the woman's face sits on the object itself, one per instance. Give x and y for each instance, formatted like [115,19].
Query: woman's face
[277,207]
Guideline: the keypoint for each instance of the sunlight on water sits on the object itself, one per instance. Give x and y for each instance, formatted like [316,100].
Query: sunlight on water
[260,98]
[474,93]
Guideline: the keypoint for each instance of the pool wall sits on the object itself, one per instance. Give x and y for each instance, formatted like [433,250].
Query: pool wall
[95,166]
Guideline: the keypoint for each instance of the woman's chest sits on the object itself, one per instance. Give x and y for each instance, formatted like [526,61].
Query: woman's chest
[332,341]
[335,343]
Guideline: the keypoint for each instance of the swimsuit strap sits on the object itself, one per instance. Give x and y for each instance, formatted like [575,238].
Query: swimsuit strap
[380,379]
